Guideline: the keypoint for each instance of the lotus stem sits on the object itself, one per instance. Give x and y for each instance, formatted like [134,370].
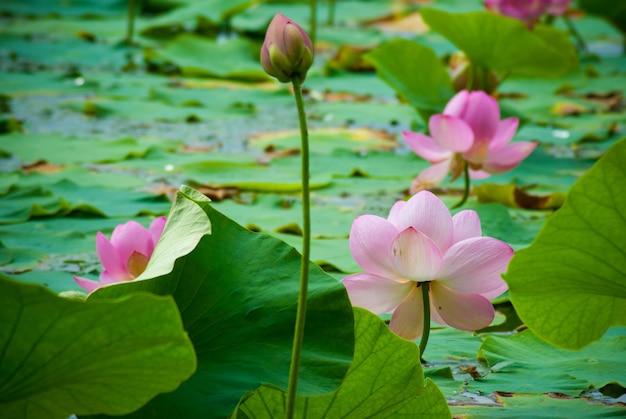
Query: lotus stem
[313,23]
[130,28]
[426,331]
[466,190]
[306,250]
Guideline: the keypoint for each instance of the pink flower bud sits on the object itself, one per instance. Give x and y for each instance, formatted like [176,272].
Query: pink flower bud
[287,52]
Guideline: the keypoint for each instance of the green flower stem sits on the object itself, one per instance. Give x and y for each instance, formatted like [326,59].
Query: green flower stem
[582,45]
[313,23]
[306,250]
[426,332]
[466,191]
[132,6]
[331,12]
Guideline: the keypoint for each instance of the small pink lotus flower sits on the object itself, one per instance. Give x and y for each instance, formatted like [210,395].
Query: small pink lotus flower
[421,242]
[287,51]
[469,130]
[126,255]
[528,11]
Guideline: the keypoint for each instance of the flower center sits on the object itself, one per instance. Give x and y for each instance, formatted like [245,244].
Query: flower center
[136,264]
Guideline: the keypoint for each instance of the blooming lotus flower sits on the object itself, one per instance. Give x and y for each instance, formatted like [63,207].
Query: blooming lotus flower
[126,255]
[287,51]
[421,242]
[469,130]
[528,11]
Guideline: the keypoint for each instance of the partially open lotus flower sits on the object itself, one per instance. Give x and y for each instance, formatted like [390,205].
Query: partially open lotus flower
[469,130]
[126,255]
[528,11]
[421,242]
[287,52]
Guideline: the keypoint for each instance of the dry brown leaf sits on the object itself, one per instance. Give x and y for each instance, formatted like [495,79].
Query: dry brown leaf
[42,166]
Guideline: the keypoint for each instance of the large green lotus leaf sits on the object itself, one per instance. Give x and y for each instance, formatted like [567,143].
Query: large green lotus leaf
[73,8]
[420,76]
[67,150]
[385,380]
[254,177]
[187,14]
[7,180]
[107,31]
[523,363]
[65,197]
[236,58]
[504,44]
[231,97]
[360,84]
[271,212]
[569,285]
[347,13]
[151,110]
[81,176]
[62,357]
[370,113]
[6,256]
[237,294]
[23,203]
[67,235]
[539,407]
[614,11]
[55,281]
[373,164]
[67,52]
[325,141]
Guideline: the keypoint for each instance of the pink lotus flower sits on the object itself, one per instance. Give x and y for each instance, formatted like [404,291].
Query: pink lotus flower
[421,242]
[469,130]
[126,255]
[528,11]
[287,51]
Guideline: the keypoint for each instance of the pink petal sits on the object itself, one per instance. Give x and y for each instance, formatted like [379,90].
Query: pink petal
[451,133]
[478,153]
[460,310]
[110,258]
[425,212]
[478,174]
[370,243]
[465,224]
[475,266]
[505,133]
[456,106]
[482,114]
[87,284]
[106,278]
[425,147]
[156,231]
[558,7]
[395,210]
[408,318]
[415,255]
[376,293]
[129,238]
[431,176]
[507,158]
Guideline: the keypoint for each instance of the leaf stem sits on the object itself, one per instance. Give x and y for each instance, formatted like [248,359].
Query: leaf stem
[466,191]
[331,12]
[313,22]
[580,41]
[130,28]
[306,249]
[426,331]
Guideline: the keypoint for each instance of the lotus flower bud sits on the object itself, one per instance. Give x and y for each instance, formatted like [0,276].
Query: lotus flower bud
[287,52]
